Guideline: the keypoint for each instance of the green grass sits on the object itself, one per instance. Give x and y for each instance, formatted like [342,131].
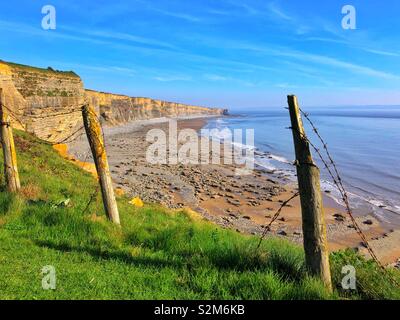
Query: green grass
[49,70]
[156,254]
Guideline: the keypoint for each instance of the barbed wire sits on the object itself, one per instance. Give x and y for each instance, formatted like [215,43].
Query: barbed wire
[64,140]
[93,196]
[338,182]
[342,192]
[55,114]
[70,138]
[325,146]
[276,215]
[13,114]
[67,139]
[33,116]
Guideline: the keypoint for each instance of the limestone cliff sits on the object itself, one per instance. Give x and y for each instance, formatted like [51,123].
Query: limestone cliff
[43,101]
[117,109]
[47,102]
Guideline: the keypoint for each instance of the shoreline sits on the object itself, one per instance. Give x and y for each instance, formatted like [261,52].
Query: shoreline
[242,203]
[139,124]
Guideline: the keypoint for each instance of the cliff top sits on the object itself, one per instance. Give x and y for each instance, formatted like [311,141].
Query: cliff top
[139,97]
[49,70]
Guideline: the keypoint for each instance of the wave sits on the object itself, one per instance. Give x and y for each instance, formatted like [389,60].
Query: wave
[242,146]
[276,163]
[357,201]
[279,158]
[219,134]
[220,121]
[360,198]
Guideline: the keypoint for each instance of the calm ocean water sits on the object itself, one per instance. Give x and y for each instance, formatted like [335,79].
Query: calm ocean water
[364,142]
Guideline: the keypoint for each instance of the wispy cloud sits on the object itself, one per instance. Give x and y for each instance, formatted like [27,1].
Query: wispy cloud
[97,37]
[231,80]
[333,62]
[219,12]
[37,31]
[179,15]
[278,12]
[243,7]
[172,78]
[215,77]
[224,58]
[281,52]
[264,10]
[119,36]
[286,19]
[360,40]
[110,9]
[354,44]
[383,53]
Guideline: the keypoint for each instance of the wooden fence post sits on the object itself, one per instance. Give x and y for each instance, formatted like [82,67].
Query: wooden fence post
[94,135]
[313,218]
[10,155]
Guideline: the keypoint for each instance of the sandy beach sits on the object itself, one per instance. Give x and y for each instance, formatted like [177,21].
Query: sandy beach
[245,203]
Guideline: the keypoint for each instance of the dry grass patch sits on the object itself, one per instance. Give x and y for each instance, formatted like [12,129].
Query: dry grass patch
[31,191]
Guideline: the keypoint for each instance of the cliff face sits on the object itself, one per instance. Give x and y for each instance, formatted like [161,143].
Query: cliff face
[116,109]
[43,101]
[47,102]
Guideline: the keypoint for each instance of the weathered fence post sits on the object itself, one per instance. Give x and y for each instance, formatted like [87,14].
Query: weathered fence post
[313,219]
[94,134]
[10,155]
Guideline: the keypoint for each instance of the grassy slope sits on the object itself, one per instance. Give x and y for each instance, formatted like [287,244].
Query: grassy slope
[157,254]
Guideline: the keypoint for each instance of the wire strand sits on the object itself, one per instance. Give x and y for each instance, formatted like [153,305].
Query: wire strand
[276,215]
[338,181]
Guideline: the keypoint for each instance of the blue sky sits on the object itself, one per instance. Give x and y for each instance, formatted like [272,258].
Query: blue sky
[215,53]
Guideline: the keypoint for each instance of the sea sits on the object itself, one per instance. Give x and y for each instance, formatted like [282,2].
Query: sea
[364,142]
